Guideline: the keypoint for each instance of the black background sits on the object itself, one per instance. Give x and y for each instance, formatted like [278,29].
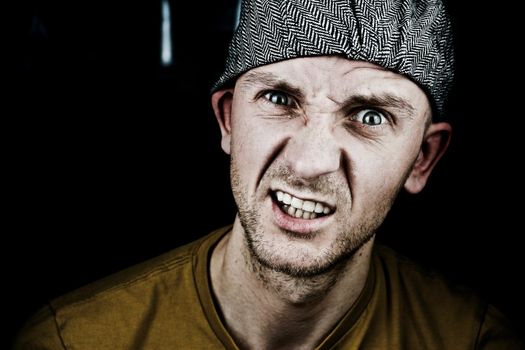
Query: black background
[112,159]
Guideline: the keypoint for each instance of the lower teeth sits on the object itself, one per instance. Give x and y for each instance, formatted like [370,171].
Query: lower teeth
[298,213]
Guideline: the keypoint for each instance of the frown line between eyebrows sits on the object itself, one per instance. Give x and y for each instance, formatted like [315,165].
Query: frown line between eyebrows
[380,100]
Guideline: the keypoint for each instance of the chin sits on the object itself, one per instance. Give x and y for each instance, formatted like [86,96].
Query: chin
[299,255]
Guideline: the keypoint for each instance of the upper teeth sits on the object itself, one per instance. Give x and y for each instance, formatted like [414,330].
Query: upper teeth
[300,204]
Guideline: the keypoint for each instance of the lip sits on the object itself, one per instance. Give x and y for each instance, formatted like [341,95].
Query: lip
[296,225]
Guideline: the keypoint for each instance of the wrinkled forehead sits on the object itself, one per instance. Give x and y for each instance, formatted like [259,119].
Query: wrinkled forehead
[334,78]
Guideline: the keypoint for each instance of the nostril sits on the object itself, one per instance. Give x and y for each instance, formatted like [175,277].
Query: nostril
[310,167]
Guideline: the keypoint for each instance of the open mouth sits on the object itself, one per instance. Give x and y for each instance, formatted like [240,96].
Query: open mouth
[300,208]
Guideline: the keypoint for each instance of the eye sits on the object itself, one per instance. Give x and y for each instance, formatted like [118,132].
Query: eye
[278,98]
[370,117]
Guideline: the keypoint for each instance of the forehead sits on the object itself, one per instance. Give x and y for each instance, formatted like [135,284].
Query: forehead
[334,77]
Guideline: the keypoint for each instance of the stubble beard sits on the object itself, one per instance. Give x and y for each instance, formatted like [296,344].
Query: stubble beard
[321,269]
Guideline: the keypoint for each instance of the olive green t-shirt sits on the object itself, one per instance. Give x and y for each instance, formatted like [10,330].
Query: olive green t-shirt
[166,303]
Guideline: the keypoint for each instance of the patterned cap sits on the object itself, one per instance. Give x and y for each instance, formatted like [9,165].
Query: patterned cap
[410,37]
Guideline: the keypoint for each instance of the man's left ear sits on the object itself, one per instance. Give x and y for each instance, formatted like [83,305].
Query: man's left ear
[434,145]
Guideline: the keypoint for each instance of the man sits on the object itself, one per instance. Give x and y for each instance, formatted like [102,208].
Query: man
[327,109]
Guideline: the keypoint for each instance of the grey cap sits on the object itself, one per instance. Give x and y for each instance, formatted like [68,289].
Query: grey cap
[411,37]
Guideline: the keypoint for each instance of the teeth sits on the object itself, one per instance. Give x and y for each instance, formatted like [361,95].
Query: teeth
[287,199]
[297,203]
[301,208]
[309,206]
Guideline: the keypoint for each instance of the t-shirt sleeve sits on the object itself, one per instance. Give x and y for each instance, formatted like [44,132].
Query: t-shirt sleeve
[496,333]
[40,333]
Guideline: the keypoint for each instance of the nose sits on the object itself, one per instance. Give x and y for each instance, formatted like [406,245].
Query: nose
[312,152]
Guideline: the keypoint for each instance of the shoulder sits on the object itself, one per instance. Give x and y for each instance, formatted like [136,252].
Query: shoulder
[143,276]
[416,281]
[140,279]
[423,291]
[441,312]
[107,314]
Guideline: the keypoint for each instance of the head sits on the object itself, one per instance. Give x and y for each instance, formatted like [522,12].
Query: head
[322,141]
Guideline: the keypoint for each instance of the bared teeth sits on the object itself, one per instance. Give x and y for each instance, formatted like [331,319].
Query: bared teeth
[309,206]
[297,203]
[300,208]
[287,199]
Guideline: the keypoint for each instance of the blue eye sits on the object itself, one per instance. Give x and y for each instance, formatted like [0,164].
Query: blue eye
[278,98]
[370,117]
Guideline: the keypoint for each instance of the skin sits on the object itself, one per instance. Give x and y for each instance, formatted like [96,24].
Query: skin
[349,134]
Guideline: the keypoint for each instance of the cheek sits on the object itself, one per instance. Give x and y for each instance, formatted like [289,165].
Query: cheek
[376,172]
[247,143]
[255,142]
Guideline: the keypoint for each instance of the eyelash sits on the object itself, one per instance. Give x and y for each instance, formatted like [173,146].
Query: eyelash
[267,100]
[352,114]
[386,118]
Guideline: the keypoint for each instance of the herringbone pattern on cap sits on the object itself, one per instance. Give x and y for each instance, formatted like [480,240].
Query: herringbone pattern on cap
[411,37]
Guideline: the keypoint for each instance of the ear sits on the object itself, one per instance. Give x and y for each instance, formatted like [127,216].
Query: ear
[222,107]
[434,145]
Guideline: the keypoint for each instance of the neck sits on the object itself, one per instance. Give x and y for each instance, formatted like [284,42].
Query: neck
[284,311]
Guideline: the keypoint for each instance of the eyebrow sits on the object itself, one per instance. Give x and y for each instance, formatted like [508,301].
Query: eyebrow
[384,100]
[272,81]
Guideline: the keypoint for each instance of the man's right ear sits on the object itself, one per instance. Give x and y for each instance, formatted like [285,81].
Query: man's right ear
[221,102]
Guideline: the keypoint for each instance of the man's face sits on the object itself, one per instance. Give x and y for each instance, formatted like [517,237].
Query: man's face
[320,147]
